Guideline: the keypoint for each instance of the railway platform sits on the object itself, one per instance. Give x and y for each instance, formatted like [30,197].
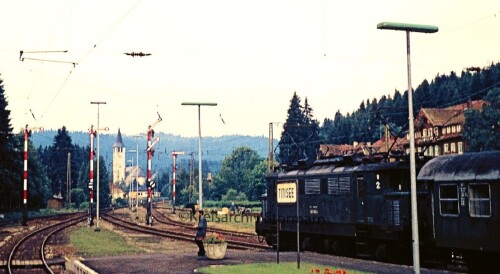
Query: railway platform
[182,262]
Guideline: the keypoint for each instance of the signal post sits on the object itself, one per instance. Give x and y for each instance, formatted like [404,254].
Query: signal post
[150,183]
[27,133]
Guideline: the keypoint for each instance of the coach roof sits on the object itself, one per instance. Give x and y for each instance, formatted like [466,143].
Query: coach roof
[463,167]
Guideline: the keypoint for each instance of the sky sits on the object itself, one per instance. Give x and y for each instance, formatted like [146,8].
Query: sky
[249,57]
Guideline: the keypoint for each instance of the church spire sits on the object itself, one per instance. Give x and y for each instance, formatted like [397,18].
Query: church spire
[119,141]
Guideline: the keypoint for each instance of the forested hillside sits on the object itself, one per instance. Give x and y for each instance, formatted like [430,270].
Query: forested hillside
[214,149]
[366,123]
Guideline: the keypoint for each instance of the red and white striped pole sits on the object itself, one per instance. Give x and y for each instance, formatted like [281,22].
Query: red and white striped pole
[25,177]
[149,218]
[27,133]
[174,169]
[92,133]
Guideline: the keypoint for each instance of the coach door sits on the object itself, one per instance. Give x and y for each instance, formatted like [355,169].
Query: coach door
[361,199]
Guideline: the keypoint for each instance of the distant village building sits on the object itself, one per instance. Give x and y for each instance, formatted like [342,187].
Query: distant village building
[117,192]
[119,159]
[56,202]
[438,131]
[141,194]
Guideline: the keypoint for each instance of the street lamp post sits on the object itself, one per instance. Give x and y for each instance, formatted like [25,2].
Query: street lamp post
[97,192]
[413,176]
[130,188]
[200,190]
[136,151]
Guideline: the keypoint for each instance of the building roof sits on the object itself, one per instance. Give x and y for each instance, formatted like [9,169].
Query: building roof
[119,141]
[447,116]
[382,145]
[327,150]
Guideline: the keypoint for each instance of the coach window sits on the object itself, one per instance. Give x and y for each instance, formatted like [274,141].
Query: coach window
[479,200]
[448,200]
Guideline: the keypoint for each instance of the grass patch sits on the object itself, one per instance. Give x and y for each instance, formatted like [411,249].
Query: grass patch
[273,268]
[91,243]
[239,223]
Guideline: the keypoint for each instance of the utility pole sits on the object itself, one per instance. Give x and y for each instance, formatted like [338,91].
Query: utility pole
[270,157]
[174,169]
[97,229]
[191,176]
[68,179]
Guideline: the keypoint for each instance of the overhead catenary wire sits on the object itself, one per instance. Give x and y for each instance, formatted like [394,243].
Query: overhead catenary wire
[21,58]
[49,60]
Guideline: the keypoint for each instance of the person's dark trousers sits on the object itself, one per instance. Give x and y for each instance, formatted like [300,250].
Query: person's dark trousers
[201,249]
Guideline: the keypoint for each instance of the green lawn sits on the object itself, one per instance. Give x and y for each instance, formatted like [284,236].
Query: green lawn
[105,242]
[273,268]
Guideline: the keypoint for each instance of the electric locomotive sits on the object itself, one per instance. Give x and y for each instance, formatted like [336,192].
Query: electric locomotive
[347,206]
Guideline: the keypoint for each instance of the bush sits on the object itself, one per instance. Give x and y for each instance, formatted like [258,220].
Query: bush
[223,203]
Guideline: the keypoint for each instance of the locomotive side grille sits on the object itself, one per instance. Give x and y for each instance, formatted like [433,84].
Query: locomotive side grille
[392,212]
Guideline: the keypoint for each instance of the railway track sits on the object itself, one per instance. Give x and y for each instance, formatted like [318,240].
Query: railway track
[165,219]
[178,233]
[29,252]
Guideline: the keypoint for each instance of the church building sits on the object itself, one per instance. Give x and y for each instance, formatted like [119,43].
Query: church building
[118,159]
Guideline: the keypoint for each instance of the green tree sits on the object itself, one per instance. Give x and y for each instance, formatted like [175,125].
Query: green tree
[482,128]
[300,135]
[183,188]
[165,184]
[104,183]
[78,196]
[258,178]
[10,165]
[239,171]
[57,164]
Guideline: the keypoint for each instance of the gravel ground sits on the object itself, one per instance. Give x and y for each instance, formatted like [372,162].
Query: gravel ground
[182,259]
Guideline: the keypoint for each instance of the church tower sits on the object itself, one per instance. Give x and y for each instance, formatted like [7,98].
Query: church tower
[118,159]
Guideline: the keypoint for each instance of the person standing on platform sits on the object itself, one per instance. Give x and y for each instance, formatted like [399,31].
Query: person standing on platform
[201,232]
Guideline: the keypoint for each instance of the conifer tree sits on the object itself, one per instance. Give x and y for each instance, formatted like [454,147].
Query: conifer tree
[10,167]
[300,135]
[58,160]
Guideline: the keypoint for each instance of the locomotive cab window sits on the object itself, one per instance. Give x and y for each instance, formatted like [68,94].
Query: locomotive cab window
[448,200]
[479,200]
